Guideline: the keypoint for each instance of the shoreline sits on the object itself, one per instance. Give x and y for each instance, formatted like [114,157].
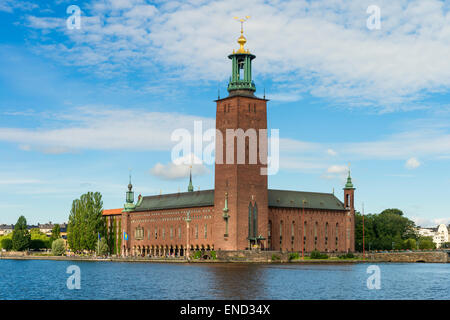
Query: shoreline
[184,261]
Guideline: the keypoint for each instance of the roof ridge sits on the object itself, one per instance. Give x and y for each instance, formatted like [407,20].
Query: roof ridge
[328,193]
[180,193]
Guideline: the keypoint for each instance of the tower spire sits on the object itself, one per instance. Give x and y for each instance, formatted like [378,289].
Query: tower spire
[241,74]
[349,184]
[190,187]
[129,200]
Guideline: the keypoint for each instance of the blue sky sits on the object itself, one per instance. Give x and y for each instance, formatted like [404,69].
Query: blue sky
[79,107]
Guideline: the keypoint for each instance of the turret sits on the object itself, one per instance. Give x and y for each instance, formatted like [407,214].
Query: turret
[241,68]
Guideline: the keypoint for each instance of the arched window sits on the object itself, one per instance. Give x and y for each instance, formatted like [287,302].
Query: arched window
[315,235]
[337,235]
[269,234]
[292,232]
[281,233]
[326,235]
[304,234]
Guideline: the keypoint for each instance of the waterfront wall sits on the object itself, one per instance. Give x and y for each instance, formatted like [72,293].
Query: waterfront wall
[252,256]
[436,256]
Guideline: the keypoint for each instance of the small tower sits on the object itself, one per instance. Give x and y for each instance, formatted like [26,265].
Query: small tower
[349,202]
[190,186]
[349,193]
[241,64]
[129,201]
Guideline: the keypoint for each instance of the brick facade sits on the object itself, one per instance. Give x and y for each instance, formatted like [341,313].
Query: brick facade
[161,226]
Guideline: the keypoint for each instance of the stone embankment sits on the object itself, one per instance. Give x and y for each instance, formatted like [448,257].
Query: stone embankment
[431,256]
[252,257]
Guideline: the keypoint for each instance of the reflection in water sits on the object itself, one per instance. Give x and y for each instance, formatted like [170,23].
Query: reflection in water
[237,281]
[34,279]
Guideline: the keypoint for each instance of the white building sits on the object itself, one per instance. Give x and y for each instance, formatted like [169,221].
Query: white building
[438,234]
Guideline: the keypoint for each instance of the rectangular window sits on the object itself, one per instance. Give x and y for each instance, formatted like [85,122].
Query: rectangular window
[171,232]
[196,231]
[206,231]
[179,232]
[156,233]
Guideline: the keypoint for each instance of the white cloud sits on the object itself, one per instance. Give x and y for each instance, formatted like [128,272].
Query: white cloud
[337,169]
[412,163]
[102,128]
[11,5]
[430,223]
[331,152]
[172,171]
[320,47]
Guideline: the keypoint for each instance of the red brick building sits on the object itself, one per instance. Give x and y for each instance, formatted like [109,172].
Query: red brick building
[241,213]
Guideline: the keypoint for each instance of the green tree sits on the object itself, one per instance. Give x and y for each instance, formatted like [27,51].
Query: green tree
[21,238]
[103,249]
[39,240]
[410,244]
[119,238]
[6,243]
[58,247]
[382,231]
[392,211]
[426,243]
[85,222]
[56,233]
[114,243]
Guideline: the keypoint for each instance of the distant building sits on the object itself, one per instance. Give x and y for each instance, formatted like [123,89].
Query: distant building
[439,234]
[6,229]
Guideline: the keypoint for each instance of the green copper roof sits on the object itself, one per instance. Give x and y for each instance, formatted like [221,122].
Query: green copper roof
[190,186]
[177,200]
[277,198]
[349,184]
[313,200]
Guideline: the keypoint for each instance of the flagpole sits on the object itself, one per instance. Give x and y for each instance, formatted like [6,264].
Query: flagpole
[364,251]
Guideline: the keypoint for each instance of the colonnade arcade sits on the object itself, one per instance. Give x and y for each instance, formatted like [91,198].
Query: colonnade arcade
[163,250]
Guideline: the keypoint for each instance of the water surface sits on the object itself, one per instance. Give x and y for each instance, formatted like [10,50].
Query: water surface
[41,279]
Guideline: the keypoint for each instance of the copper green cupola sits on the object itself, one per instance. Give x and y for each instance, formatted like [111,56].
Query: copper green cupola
[241,67]
[349,184]
[129,201]
[190,186]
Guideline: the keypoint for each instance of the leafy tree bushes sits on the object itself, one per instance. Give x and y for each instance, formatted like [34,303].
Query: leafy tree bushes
[85,222]
[317,255]
[385,231]
[426,243]
[21,238]
[56,233]
[6,243]
[103,248]
[58,247]
[294,256]
[39,240]
[347,256]
[410,244]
